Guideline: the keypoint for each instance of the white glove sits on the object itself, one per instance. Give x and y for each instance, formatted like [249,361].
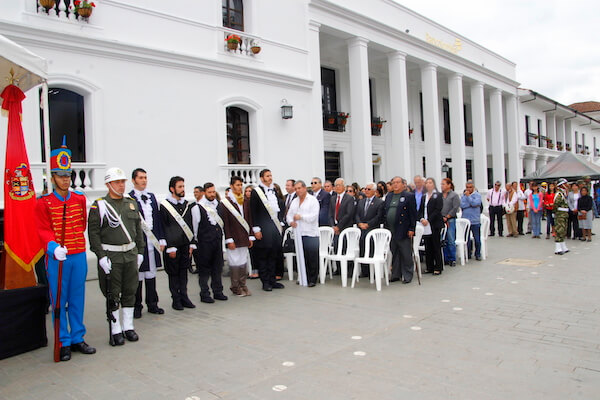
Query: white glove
[60,253]
[140,259]
[105,264]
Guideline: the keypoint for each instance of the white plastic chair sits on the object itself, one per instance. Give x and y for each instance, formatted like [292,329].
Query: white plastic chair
[483,235]
[463,226]
[419,230]
[289,257]
[350,236]
[377,263]
[325,249]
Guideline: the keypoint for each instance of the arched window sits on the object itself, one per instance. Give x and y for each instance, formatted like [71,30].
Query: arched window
[233,14]
[66,119]
[238,136]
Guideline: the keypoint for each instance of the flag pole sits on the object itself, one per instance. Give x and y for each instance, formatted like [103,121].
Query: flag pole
[46,114]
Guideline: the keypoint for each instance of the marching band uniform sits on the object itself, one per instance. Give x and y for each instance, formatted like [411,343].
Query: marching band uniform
[153,232]
[180,239]
[117,239]
[208,232]
[237,230]
[49,217]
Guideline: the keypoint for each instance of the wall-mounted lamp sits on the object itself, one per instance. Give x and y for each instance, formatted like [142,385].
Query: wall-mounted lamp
[445,168]
[287,110]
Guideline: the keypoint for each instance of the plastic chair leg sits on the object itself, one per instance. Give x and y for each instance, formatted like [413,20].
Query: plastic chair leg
[354,276]
[378,271]
[322,271]
[290,268]
[344,266]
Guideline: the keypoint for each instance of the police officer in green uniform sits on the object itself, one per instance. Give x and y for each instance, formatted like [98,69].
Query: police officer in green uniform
[116,237]
[561,216]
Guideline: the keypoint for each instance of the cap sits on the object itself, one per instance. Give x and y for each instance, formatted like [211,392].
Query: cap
[114,174]
[60,160]
[562,181]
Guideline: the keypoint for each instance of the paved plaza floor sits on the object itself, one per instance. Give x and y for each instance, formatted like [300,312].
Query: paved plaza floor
[485,330]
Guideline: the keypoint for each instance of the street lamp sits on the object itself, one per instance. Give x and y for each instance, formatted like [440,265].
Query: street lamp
[287,111]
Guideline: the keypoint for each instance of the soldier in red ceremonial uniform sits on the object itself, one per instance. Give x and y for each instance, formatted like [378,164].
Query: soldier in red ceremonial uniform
[51,210]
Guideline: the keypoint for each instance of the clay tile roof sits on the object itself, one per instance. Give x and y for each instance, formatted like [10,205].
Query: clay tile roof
[586,106]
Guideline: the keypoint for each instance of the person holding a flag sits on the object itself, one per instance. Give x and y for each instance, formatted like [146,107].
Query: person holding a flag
[207,222]
[303,216]
[61,222]
[238,235]
[117,239]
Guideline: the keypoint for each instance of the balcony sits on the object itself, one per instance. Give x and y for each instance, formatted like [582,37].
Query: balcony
[559,146]
[250,173]
[86,177]
[531,139]
[549,144]
[335,121]
[63,10]
[240,43]
[377,125]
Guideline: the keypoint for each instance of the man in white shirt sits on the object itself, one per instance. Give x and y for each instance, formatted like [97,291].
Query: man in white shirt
[526,193]
[303,215]
[495,198]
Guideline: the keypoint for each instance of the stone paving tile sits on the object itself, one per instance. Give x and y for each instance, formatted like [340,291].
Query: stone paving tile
[535,337]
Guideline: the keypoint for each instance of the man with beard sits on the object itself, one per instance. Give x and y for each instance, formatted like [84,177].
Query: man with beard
[176,218]
[267,228]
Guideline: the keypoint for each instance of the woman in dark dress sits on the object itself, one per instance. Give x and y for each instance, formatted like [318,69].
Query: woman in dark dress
[430,215]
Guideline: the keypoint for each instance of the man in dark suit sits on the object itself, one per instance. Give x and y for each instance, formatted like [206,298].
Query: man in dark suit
[155,243]
[341,212]
[430,215]
[264,209]
[400,215]
[290,195]
[369,215]
[324,200]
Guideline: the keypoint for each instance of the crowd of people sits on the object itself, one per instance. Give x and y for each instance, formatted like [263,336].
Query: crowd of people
[134,234]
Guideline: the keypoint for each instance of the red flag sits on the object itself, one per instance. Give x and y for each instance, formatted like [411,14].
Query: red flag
[21,242]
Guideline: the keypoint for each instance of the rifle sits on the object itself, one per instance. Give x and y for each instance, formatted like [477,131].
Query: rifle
[57,344]
[109,316]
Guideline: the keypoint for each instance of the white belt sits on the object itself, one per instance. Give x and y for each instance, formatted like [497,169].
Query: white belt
[119,248]
[565,209]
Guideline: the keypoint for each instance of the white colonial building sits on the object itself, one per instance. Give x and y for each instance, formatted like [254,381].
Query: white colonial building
[154,84]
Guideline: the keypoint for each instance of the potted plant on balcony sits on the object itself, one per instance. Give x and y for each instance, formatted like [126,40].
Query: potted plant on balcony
[331,119]
[343,118]
[568,146]
[47,4]
[233,41]
[254,47]
[84,8]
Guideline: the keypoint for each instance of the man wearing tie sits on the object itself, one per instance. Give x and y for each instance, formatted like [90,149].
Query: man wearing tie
[341,212]
[369,214]
[291,195]
[419,189]
[155,243]
[324,200]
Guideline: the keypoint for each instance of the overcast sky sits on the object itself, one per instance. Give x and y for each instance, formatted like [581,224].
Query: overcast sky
[553,42]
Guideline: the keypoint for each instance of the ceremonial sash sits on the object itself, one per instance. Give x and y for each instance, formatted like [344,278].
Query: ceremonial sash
[149,234]
[213,214]
[269,209]
[114,219]
[178,218]
[237,215]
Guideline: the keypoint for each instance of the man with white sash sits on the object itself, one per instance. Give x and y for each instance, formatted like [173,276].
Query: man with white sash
[267,229]
[155,243]
[208,232]
[238,235]
[117,239]
[176,218]
[303,216]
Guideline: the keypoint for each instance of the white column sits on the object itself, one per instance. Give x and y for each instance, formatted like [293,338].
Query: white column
[400,161]
[479,141]
[497,134]
[316,119]
[560,132]
[551,128]
[515,170]
[529,160]
[360,111]
[457,131]
[431,121]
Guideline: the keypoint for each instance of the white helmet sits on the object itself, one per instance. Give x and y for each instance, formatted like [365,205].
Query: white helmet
[114,174]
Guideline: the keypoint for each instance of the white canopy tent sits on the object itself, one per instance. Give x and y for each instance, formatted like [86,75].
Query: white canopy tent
[26,70]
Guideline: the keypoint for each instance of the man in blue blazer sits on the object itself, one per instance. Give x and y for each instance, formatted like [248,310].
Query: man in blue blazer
[400,216]
[324,199]
[155,243]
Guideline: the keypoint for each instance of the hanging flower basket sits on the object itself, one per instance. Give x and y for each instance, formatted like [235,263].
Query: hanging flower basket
[47,4]
[255,49]
[233,42]
[344,118]
[84,8]
[331,120]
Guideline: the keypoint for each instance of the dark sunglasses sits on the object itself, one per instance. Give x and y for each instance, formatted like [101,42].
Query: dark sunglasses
[314,183]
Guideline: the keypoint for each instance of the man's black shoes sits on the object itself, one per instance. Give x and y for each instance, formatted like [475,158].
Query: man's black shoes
[65,353]
[131,335]
[83,348]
